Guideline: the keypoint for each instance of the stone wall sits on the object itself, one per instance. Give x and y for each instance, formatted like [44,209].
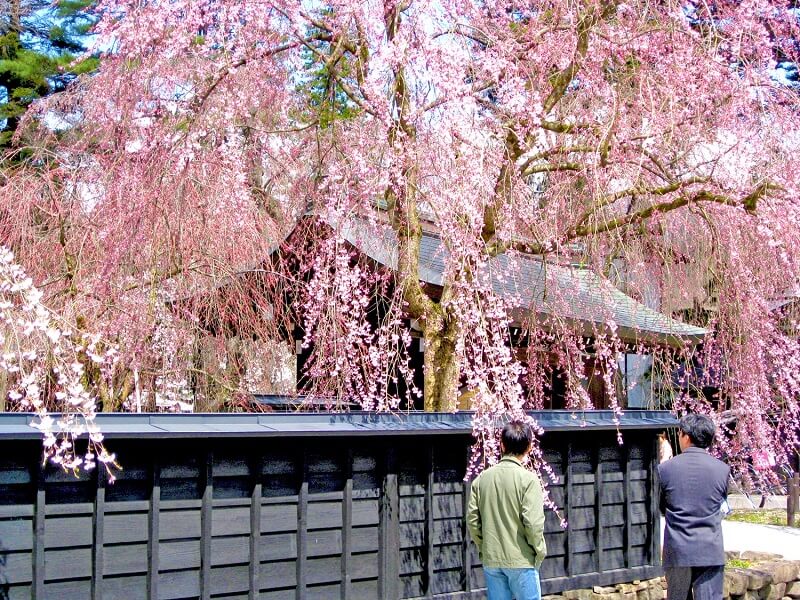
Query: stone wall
[767,577]
[646,589]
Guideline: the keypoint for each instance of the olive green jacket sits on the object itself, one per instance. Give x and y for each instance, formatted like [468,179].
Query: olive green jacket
[506,516]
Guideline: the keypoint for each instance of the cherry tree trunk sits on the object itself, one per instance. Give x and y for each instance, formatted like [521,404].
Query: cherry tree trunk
[442,368]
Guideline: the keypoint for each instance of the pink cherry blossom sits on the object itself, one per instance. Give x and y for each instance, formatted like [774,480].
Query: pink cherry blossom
[648,143]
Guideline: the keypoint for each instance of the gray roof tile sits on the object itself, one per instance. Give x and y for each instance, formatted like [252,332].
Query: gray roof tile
[552,291]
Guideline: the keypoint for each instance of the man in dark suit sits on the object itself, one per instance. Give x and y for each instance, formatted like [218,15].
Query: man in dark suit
[694,485]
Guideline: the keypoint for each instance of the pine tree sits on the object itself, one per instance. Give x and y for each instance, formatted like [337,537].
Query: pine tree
[39,43]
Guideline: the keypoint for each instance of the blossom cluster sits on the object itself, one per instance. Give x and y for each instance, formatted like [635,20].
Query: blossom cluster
[647,143]
[43,363]
[354,357]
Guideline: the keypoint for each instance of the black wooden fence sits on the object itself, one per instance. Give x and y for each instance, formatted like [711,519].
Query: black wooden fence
[308,506]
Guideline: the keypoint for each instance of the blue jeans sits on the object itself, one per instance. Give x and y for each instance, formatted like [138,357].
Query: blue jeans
[519,584]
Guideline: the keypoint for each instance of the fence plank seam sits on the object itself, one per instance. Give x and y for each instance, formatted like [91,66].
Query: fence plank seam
[205,525]
[466,551]
[347,525]
[98,534]
[653,492]
[429,534]
[598,512]
[302,528]
[37,585]
[153,532]
[256,466]
[569,513]
[626,490]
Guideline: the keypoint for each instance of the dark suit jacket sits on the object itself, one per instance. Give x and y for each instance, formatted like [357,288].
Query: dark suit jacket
[693,486]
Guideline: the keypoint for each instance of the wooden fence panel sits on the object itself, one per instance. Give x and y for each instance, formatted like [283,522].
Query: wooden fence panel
[304,517]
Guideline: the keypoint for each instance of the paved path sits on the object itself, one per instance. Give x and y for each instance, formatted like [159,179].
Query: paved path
[760,538]
[742,501]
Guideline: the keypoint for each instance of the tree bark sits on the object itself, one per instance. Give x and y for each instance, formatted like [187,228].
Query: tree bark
[3,389]
[112,400]
[442,368]
[15,23]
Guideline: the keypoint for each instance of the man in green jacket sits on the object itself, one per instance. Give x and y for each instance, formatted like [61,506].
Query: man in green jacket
[506,520]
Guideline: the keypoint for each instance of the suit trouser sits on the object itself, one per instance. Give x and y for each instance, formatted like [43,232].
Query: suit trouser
[695,583]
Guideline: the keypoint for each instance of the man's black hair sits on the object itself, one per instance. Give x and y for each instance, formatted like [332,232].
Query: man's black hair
[517,437]
[699,428]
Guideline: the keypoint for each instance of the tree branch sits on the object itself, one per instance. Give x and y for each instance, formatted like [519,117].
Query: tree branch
[467,31]
[581,148]
[638,191]
[502,187]
[561,127]
[476,89]
[748,202]
[550,168]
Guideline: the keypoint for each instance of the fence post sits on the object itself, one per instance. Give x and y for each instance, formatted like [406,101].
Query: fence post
[793,500]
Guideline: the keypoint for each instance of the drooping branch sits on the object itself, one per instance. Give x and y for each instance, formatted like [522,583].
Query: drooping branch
[562,79]
[552,168]
[528,167]
[217,79]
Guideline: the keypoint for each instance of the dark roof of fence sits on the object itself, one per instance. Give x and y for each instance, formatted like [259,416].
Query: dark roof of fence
[162,425]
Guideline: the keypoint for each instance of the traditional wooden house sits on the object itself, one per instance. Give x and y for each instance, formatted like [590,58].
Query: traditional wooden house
[542,291]
[350,505]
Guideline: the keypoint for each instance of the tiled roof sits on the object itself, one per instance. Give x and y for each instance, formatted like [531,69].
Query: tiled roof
[553,292]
